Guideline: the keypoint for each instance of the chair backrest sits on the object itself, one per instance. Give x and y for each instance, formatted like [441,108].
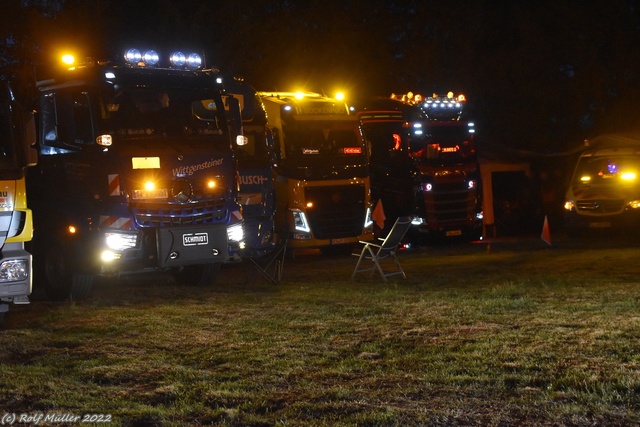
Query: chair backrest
[399,229]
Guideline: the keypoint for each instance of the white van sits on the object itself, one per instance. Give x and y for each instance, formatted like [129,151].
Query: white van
[604,192]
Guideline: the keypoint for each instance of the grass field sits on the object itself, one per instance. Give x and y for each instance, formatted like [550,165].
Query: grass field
[490,335]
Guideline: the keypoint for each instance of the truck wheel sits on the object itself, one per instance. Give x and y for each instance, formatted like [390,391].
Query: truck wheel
[59,281]
[197,275]
[81,286]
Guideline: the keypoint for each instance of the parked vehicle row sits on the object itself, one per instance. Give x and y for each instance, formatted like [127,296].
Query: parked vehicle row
[154,162]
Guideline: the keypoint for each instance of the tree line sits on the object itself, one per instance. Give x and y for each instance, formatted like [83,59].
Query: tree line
[539,76]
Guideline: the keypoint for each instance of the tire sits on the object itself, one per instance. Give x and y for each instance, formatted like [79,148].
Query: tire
[81,286]
[58,279]
[197,275]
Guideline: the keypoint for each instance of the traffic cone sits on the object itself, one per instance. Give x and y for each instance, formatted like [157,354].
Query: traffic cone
[546,234]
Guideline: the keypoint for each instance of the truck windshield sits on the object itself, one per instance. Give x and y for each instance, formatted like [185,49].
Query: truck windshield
[443,145]
[139,113]
[385,139]
[607,170]
[324,143]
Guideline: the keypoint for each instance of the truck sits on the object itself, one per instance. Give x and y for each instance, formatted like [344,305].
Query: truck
[604,191]
[254,156]
[17,137]
[424,164]
[136,171]
[321,172]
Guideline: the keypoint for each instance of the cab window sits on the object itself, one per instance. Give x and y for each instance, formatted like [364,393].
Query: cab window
[67,122]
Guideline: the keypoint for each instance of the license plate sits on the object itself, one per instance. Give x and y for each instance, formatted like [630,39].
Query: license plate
[339,241]
[453,233]
[158,193]
[600,224]
[195,239]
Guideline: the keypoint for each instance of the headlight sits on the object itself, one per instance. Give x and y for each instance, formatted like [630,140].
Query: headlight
[300,221]
[121,241]
[568,205]
[235,232]
[109,256]
[13,270]
[635,204]
[427,186]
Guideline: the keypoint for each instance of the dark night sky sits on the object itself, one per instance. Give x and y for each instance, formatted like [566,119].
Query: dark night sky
[539,75]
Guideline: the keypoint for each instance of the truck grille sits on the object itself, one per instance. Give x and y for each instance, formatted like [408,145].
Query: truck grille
[451,203]
[600,206]
[338,211]
[168,214]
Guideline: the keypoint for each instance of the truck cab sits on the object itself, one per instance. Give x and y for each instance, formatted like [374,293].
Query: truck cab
[424,164]
[17,137]
[136,173]
[255,158]
[320,171]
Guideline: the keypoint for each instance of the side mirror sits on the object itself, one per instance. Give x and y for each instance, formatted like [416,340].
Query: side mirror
[30,139]
[235,117]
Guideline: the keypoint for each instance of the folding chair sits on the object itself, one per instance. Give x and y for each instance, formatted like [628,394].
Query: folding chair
[270,265]
[376,253]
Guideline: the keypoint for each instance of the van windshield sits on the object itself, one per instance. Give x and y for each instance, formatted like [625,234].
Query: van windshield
[607,169]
